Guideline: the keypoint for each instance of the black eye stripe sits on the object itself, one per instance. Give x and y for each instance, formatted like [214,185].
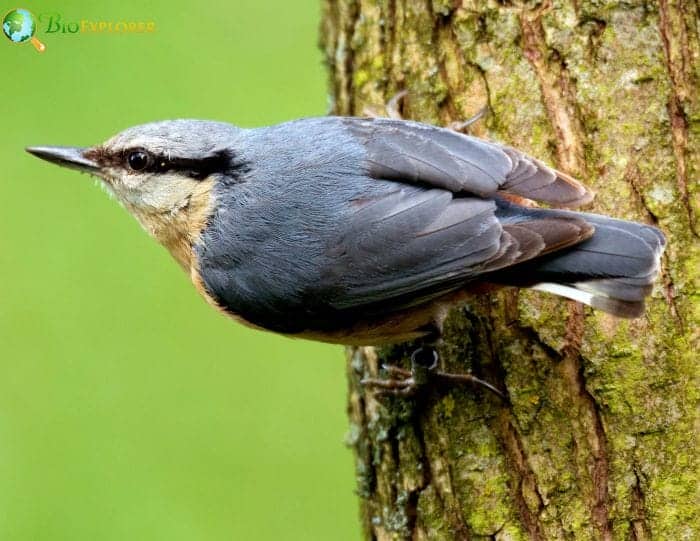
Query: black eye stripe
[199,168]
[223,162]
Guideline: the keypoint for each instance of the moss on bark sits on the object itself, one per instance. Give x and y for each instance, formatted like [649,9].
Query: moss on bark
[598,440]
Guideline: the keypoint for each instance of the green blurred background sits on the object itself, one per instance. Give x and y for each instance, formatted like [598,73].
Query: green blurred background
[129,409]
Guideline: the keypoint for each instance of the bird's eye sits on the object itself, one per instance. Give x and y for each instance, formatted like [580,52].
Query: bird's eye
[138,160]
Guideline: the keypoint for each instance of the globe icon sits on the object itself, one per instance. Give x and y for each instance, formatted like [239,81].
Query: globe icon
[19,27]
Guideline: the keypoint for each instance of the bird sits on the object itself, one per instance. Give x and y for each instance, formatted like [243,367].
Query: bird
[364,231]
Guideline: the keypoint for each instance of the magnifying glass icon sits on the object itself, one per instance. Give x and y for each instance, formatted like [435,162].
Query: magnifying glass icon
[19,26]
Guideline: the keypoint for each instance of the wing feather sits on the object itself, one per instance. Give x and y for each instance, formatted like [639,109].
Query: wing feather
[414,152]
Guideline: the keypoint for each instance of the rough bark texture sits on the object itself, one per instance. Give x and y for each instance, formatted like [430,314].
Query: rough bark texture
[598,438]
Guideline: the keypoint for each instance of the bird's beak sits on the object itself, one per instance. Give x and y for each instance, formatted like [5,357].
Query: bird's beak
[65,156]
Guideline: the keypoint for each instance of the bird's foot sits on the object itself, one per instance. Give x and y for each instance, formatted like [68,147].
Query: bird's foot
[392,109]
[422,375]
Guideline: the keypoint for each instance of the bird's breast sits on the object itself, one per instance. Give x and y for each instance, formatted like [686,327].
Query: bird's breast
[179,227]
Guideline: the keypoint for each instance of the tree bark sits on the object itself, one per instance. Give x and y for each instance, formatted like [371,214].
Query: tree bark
[598,437]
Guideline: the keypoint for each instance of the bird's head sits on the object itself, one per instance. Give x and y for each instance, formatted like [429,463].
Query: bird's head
[162,172]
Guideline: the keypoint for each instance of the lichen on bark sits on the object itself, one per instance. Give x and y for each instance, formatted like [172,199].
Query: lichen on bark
[598,438]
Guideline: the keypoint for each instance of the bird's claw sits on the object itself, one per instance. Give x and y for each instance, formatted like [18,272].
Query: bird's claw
[423,374]
[464,125]
[390,110]
[392,106]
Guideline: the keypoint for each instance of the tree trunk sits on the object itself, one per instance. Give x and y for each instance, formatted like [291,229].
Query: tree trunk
[597,439]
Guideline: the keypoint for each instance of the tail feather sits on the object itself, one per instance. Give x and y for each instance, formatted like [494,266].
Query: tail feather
[613,270]
[614,306]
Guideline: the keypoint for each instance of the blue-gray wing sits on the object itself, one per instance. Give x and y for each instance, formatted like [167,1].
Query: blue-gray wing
[413,244]
[414,152]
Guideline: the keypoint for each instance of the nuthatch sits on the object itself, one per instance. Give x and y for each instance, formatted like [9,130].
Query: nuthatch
[362,231]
